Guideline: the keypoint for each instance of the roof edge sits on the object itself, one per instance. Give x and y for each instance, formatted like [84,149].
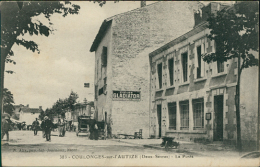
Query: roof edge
[179,39]
[100,34]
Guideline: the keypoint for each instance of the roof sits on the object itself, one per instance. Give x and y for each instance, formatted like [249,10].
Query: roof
[31,110]
[198,28]
[100,34]
[106,23]
[192,32]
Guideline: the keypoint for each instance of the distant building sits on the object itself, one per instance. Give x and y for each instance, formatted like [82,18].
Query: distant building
[122,69]
[191,99]
[27,114]
[79,109]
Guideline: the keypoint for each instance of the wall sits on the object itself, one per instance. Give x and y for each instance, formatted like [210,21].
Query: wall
[103,103]
[134,35]
[28,117]
[248,106]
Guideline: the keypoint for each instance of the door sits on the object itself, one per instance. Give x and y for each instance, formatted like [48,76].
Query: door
[218,124]
[159,114]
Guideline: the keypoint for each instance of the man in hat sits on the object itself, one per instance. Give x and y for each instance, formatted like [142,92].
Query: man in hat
[5,128]
[35,126]
[48,125]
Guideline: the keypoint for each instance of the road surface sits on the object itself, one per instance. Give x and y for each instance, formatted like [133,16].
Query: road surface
[23,147]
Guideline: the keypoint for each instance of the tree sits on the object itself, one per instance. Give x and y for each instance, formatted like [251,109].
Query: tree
[16,22]
[8,101]
[62,105]
[235,32]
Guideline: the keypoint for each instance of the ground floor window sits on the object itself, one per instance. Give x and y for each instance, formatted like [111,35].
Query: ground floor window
[198,113]
[184,113]
[172,115]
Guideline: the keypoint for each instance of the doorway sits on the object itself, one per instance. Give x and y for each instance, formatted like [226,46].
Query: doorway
[218,124]
[159,114]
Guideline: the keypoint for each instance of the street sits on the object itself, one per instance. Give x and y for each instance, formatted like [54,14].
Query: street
[26,149]
[24,145]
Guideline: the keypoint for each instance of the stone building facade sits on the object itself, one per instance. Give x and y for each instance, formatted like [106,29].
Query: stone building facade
[121,48]
[191,99]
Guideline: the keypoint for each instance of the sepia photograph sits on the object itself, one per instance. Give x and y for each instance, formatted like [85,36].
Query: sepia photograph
[129,83]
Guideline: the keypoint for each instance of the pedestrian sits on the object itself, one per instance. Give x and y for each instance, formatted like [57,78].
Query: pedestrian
[96,132]
[60,127]
[5,128]
[48,125]
[42,127]
[35,126]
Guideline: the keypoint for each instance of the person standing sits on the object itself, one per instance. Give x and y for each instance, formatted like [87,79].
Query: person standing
[5,128]
[96,132]
[60,128]
[43,128]
[35,125]
[48,125]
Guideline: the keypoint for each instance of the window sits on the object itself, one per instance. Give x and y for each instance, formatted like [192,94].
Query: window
[159,69]
[199,62]
[198,113]
[104,56]
[184,110]
[171,70]
[220,66]
[185,66]
[97,69]
[96,92]
[172,115]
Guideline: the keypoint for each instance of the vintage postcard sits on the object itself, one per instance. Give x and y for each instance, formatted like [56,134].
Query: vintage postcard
[129,83]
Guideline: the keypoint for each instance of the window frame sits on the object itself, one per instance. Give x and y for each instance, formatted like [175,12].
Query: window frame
[171,71]
[184,67]
[198,113]
[184,121]
[160,73]
[172,105]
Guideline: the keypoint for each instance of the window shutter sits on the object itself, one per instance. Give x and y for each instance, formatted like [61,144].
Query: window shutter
[202,62]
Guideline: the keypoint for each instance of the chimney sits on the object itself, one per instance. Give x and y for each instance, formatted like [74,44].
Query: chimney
[143,4]
[27,106]
[40,107]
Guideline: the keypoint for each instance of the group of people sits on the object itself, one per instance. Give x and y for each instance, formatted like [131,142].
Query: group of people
[46,127]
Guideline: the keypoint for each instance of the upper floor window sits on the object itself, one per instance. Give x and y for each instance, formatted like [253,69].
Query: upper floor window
[199,62]
[159,69]
[220,66]
[104,56]
[171,70]
[184,57]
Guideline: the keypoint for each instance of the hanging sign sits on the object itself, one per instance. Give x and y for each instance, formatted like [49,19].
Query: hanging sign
[127,95]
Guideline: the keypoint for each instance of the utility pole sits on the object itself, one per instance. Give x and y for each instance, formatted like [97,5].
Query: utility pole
[237,100]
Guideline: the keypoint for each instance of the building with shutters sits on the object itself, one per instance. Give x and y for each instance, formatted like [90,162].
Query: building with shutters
[122,72]
[191,99]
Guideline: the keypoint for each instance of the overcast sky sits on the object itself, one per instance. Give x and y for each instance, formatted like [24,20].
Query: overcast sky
[64,62]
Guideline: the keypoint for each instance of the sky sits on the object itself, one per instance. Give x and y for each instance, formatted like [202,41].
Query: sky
[65,62]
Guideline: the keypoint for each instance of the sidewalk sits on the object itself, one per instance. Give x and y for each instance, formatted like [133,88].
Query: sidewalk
[198,149]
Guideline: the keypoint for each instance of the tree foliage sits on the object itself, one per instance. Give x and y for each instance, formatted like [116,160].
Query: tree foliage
[16,22]
[235,32]
[61,106]
[8,101]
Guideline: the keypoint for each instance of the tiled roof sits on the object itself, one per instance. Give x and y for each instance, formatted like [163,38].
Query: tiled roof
[31,110]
